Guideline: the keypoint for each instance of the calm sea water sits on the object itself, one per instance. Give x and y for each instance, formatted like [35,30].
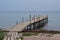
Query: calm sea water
[8,19]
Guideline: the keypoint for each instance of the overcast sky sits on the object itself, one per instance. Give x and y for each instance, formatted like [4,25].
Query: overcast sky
[25,5]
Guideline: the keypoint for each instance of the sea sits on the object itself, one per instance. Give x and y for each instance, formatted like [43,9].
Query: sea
[10,18]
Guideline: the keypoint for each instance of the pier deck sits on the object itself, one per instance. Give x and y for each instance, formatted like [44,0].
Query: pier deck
[22,26]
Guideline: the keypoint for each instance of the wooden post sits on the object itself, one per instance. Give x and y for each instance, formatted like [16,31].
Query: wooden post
[34,23]
[30,18]
[39,21]
[30,21]
[47,17]
[34,17]
[39,18]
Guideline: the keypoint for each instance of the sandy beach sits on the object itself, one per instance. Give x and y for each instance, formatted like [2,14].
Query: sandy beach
[43,37]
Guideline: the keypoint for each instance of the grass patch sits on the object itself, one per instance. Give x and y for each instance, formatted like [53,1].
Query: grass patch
[17,38]
[1,35]
[30,33]
[27,34]
[36,33]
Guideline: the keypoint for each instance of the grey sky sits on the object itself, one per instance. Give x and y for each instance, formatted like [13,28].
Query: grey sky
[24,5]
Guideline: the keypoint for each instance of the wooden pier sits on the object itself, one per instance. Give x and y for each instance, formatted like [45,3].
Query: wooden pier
[29,25]
[32,24]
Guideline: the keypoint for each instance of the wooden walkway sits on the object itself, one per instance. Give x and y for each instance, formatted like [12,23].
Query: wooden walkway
[22,26]
[12,33]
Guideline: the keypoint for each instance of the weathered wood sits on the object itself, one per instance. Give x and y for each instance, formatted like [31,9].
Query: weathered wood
[23,25]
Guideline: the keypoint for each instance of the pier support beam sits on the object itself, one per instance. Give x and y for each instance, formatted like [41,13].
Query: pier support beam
[34,26]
